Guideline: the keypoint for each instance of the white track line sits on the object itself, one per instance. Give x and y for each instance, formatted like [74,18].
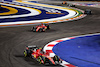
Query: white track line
[49,47]
[33,12]
[71,16]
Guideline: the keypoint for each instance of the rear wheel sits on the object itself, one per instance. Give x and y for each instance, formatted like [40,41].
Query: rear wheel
[40,60]
[33,29]
[27,53]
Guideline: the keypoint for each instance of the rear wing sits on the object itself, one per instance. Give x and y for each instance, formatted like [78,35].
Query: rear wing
[31,47]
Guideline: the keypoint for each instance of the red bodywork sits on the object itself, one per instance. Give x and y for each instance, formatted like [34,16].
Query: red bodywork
[41,26]
[38,53]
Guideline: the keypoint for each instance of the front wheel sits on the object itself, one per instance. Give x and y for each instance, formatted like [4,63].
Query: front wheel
[47,25]
[40,60]
[56,59]
[47,62]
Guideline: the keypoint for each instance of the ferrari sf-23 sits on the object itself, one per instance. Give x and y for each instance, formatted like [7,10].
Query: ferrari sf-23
[41,28]
[42,57]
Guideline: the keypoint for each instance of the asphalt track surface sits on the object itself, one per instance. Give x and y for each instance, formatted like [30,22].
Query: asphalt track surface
[14,39]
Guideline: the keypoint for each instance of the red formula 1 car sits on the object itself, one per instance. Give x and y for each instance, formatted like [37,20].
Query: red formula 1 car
[41,28]
[40,56]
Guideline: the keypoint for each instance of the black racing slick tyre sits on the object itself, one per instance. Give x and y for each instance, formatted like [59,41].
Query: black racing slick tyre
[40,60]
[41,30]
[27,53]
[47,62]
[56,59]
[33,29]
[48,27]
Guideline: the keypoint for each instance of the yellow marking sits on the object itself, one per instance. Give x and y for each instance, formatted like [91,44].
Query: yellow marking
[44,5]
[48,6]
[36,10]
[12,11]
[29,7]
[34,56]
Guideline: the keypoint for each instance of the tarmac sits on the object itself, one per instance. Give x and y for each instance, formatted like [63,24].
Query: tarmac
[14,39]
